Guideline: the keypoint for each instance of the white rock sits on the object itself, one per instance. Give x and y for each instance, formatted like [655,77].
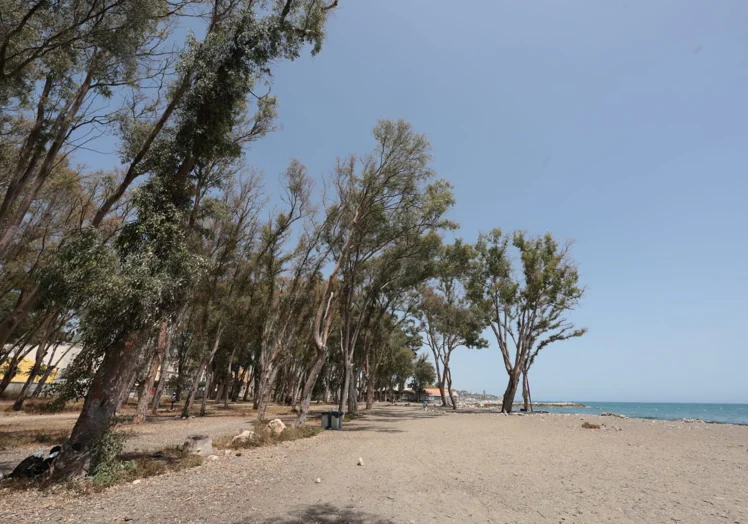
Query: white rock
[212,457]
[244,436]
[226,452]
[276,426]
[137,481]
[360,461]
[198,445]
[318,480]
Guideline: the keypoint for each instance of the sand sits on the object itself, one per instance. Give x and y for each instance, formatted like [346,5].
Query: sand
[425,467]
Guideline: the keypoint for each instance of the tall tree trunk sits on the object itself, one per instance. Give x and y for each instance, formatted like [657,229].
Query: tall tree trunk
[306,393]
[228,380]
[343,399]
[207,391]
[526,392]
[449,387]
[248,386]
[107,388]
[268,378]
[145,397]
[205,362]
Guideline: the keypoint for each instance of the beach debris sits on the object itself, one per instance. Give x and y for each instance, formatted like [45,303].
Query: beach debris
[587,425]
[318,480]
[276,427]
[691,420]
[198,445]
[360,461]
[36,464]
[616,415]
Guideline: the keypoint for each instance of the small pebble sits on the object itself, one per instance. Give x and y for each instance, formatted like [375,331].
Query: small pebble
[360,461]
[137,481]
[318,480]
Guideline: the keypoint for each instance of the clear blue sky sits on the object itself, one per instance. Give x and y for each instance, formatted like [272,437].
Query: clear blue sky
[620,124]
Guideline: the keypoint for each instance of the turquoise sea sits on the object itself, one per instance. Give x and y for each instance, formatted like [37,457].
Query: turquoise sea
[725,413]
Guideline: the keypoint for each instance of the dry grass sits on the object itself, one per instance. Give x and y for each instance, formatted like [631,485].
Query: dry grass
[587,425]
[131,466]
[143,465]
[18,439]
[262,437]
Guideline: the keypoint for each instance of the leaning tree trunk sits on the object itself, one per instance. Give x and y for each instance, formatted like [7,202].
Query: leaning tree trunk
[108,386]
[41,352]
[145,396]
[511,391]
[266,381]
[204,363]
[306,393]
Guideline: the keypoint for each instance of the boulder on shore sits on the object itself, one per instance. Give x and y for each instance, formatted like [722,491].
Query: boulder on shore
[198,445]
[616,415]
[276,427]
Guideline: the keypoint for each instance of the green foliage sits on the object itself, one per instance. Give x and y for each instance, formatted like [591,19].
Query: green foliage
[105,458]
[424,374]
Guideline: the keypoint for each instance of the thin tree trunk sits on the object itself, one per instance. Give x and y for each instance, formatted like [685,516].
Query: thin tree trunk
[198,375]
[306,393]
[267,379]
[41,352]
[207,391]
[228,380]
[145,397]
[526,392]
[47,372]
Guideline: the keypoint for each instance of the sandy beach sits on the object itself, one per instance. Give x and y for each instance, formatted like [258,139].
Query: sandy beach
[423,467]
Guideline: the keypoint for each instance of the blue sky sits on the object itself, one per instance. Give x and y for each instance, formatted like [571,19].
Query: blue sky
[620,124]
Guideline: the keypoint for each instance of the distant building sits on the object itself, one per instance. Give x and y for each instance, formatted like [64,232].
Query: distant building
[430,395]
[63,356]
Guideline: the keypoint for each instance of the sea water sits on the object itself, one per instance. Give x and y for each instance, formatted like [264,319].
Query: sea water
[725,413]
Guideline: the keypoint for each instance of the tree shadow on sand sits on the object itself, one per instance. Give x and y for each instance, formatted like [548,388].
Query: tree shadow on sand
[324,514]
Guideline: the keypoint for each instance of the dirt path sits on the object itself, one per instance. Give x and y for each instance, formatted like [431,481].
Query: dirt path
[427,467]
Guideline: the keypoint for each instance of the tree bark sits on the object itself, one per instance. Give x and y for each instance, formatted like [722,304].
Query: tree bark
[207,391]
[526,392]
[306,393]
[198,374]
[449,387]
[108,387]
[511,392]
[145,398]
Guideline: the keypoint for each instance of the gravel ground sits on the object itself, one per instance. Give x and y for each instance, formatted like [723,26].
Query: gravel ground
[425,467]
[158,433]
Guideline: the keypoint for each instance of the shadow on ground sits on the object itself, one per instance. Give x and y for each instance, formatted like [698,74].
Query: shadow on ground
[323,514]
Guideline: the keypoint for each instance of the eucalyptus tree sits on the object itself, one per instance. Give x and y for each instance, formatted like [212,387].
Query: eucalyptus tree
[153,269]
[423,375]
[447,318]
[525,307]
[379,198]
